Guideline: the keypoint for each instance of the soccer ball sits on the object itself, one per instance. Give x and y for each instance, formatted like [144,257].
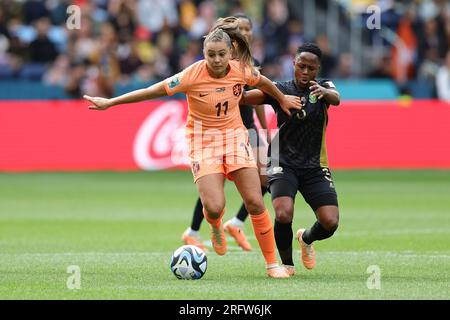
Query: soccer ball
[188,262]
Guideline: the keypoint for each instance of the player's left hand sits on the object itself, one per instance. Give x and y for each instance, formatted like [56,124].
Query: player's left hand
[317,90]
[291,102]
[98,103]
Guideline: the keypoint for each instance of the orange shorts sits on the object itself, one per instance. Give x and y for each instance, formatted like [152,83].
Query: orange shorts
[220,153]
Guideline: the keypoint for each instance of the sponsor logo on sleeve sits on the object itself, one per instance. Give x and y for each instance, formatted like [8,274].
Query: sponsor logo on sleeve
[173,82]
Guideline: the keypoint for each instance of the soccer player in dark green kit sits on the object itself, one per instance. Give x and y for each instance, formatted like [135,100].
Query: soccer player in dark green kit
[298,157]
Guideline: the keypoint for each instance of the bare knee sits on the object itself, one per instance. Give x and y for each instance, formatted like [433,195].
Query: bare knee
[254,205]
[330,222]
[213,208]
[284,210]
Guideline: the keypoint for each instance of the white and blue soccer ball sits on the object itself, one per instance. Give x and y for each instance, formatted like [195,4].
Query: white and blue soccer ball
[188,262]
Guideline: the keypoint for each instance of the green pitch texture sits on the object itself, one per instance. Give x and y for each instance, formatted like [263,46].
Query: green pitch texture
[121,228]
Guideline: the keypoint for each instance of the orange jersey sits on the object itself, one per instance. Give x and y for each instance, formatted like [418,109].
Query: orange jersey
[213,101]
[216,137]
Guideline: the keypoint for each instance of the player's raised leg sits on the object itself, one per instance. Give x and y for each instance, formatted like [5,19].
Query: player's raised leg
[210,189]
[325,226]
[247,183]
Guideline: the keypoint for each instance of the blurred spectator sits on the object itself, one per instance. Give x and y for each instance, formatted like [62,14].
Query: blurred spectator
[168,60]
[430,42]
[258,48]
[207,15]
[295,40]
[59,73]
[404,49]
[145,76]
[42,49]
[58,10]
[273,69]
[155,14]
[344,68]
[192,54]
[128,42]
[188,12]
[34,10]
[275,28]
[122,17]
[84,42]
[105,69]
[3,25]
[75,82]
[429,66]
[443,80]
[328,61]
[382,68]
[129,59]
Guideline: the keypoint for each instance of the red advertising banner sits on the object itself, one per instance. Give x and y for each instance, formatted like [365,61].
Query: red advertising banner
[65,135]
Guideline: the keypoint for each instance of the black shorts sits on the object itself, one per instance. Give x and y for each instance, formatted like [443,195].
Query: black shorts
[315,184]
[254,138]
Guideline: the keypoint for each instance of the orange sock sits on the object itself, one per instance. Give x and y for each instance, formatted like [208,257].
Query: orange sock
[263,228]
[214,222]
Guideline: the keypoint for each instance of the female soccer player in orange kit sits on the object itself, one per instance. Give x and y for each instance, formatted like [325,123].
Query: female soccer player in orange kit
[217,139]
[235,226]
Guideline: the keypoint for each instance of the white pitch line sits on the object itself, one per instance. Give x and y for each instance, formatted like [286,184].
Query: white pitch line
[402,254]
[407,254]
[392,232]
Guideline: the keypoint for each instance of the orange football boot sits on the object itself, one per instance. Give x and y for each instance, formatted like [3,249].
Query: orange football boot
[238,235]
[308,254]
[190,240]
[218,240]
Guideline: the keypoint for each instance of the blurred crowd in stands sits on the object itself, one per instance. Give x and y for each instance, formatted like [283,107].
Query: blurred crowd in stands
[139,42]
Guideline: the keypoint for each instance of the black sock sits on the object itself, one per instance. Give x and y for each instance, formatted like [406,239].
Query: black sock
[243,213]
[198,216]
[317,232]
[283,239]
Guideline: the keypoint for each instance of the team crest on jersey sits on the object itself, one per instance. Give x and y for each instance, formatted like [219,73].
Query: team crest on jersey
[237,89]
[312,98]
[195,167]
[173,82]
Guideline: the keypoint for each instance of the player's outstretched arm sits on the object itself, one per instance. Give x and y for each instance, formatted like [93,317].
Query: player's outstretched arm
[256,97]
[285,103]
[252,97]
[155,91]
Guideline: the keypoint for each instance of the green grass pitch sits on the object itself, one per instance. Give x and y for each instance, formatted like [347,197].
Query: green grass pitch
[121,228]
